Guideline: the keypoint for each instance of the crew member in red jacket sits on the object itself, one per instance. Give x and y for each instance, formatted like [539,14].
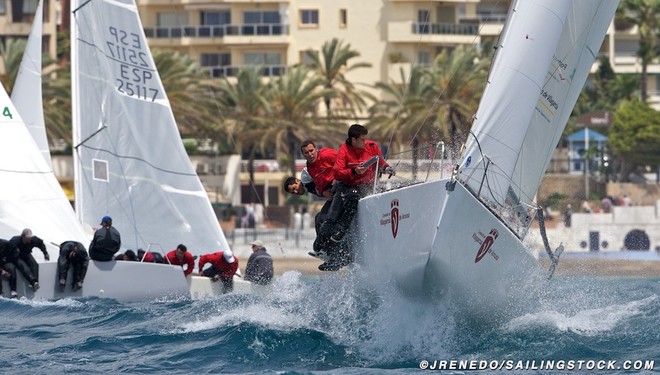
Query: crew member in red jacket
[180,257]
[353,154]
[358,162]
[223,267]
[320,164]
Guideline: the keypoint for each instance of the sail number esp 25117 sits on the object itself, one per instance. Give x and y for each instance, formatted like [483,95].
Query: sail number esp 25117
[133,69]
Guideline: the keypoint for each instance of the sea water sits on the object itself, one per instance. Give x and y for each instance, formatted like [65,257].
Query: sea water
[335,324]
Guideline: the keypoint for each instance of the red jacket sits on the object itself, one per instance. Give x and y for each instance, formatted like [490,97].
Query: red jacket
[350,157]
[217,261]
[187,260]
[322,171]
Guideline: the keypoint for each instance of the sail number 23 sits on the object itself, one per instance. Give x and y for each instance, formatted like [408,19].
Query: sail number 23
[135,73]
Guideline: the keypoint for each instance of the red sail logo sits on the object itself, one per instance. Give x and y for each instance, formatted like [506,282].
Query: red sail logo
[394,216]
[486,245]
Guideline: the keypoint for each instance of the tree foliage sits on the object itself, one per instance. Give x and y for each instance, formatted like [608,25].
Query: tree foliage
[635,137]
[643,14]
[332,65]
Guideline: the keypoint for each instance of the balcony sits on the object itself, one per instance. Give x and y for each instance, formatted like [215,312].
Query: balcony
[195,2]
[230,34]
[432,33]
[232,71]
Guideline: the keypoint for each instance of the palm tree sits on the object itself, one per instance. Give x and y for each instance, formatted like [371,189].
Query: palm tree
[189,91]
[402,115]
[243,105]
[459,79]
[644,14]
[11,58]
[331,66]
[295,98]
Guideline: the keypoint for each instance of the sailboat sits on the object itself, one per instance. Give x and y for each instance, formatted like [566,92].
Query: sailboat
[31,197]
[461,237]
[35,199]
[129,159]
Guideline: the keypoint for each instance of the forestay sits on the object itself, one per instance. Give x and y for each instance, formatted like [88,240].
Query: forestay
[130,162]
[544,57]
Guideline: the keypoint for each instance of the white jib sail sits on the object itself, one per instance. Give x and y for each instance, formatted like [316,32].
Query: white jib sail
[543,60]
[129,158]
[26,95]
[30,196]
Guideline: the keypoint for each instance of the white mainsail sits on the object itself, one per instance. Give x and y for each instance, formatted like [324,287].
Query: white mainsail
[129,159]
[539,71]
[26,94]
[30,195]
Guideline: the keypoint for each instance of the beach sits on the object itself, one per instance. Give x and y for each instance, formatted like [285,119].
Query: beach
[567,266]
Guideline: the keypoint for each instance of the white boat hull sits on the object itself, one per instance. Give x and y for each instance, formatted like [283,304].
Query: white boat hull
[202,287]
[122,281]
[128,281]
[445,247]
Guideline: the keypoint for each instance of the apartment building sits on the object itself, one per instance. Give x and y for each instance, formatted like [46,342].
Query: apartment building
[224,35]
[16,22]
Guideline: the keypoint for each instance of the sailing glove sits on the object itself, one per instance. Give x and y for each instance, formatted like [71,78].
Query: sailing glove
[390,171]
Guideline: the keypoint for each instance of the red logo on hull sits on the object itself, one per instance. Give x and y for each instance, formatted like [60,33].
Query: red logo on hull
[394,216]
[486,245]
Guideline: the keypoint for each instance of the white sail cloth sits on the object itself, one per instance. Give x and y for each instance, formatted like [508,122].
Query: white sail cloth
[544,57]
[26,94]
[30,195]
[130,162]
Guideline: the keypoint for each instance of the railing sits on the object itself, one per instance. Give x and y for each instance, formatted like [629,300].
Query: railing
[232,71]
[444,28]
[217,31]
[287,238]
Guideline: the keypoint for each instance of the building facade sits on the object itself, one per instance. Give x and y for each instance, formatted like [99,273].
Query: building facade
[391,35]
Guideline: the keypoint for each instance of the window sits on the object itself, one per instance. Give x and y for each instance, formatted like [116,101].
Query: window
[262,58]
[218,64]
[305,59]
[166,19]
[424,58]
[423,21]
[309,17]
[3,7]
[261,23]
[259,17]
[270,61]
[215,59]
[216,18]
[343,18]
[100,170]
